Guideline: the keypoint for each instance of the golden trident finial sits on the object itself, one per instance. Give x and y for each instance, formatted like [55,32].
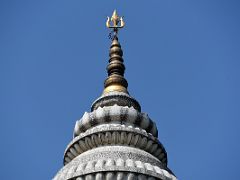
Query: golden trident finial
[113,23]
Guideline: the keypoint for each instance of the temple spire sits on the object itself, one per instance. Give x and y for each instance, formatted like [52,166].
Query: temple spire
[115,80]
[115,141]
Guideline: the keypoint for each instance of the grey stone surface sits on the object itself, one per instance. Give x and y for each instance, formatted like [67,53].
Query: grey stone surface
[100,161]
[115,134]
[119,98]
[115,114]
[115,142]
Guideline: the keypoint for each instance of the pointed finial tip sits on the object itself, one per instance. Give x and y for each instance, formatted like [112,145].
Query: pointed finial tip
[115,13]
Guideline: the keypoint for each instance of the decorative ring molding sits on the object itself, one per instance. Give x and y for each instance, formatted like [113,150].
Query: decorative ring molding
[119,98]
[115,114]
[96,164]
[115,134]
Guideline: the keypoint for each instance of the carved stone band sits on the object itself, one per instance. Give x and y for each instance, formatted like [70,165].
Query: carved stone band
[118,115]
[115,134]
[114,159]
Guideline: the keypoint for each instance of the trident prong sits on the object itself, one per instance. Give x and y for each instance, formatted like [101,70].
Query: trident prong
[113,22]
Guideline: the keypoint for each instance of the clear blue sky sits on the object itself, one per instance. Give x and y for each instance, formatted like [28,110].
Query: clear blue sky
[182,60]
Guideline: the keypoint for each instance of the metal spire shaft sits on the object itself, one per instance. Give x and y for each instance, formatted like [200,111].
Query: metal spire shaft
[115,80]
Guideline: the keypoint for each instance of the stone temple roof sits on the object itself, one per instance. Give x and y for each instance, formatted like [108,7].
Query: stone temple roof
[115,140]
